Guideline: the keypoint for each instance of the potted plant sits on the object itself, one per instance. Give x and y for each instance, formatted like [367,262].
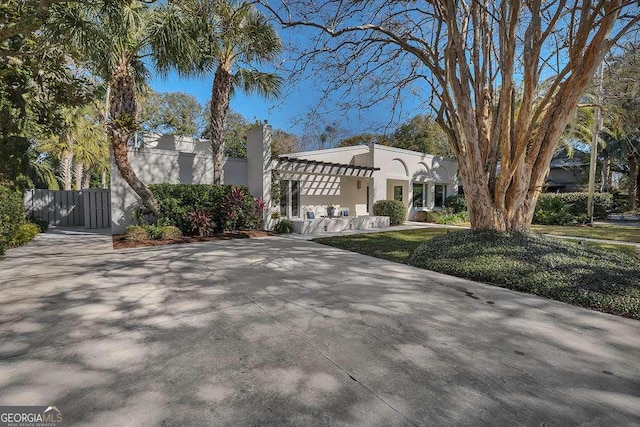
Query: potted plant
[331,211]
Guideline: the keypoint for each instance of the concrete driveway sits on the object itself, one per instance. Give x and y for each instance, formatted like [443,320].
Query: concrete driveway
[279,331]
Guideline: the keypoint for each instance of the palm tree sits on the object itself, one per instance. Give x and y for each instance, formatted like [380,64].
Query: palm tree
[114,38]
[81,145]
[234,39]
[62,146]
[91,150]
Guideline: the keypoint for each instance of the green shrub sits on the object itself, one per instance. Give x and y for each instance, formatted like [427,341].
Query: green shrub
[552,211]
[154,232]
[456,203]
[453,218]
[283,226]
[620,203]
[433,216]
[11,215]
[177,201]
[171,232]
[394,209]
[26,232]
[44,225]
[577,203]
[136,233]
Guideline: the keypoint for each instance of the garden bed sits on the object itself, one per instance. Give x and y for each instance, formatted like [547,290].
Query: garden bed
[120,241]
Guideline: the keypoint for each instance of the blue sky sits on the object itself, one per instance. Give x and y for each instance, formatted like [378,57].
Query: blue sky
[284,113]
[298,100]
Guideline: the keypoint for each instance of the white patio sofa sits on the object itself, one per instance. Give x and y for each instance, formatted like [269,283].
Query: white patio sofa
[337,224]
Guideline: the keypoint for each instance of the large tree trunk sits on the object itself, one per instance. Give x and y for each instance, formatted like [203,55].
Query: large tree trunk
[504,134]
[122,126]
[66,174]
[220,93]
[633,181]
[78,172]
[66,162]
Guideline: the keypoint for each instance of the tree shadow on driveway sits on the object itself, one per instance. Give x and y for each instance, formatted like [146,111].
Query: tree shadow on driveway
[285,332]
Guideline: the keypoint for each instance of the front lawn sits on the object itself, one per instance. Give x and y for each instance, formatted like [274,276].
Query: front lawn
[582,274]
[392,245]
[606,232]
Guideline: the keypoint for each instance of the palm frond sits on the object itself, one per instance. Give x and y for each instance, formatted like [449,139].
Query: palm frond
[253,81]
[263,43]
[175,39]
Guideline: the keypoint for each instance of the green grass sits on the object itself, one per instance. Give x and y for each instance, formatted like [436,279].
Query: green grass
[606,232]
[392,245]
[601,277]
[624,249]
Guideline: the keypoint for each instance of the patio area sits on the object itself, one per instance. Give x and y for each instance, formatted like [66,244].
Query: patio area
[282,331]
[339,224]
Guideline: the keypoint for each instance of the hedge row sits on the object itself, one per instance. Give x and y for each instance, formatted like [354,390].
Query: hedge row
[12,215]
[228,206]
[554,208]
[576,203]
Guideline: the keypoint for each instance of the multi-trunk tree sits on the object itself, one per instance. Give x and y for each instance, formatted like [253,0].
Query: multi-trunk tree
[502,77]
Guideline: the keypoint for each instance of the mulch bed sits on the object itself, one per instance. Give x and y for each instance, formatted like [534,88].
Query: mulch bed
[121,242]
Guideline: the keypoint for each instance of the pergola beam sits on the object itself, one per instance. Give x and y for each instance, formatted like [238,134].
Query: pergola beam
[294,164]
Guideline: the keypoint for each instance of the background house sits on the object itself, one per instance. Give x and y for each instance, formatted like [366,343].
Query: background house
[351,179]
[567,174]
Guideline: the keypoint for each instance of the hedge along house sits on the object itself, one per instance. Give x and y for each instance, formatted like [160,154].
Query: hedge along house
[305,185]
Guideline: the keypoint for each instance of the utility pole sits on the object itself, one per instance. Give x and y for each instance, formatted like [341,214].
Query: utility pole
[594,146]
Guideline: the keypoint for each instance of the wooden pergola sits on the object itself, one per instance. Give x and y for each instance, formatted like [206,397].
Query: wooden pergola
[318,167]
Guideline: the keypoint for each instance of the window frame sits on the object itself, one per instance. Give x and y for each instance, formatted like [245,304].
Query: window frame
[287,196]
[442,198]
[423,193]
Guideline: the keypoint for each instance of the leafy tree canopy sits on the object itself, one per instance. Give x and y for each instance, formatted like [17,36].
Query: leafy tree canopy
[420,133]
[173,113]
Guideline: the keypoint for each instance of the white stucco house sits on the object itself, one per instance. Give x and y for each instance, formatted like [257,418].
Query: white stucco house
[350,179]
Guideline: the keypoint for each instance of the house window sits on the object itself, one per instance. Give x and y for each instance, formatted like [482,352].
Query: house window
[418,195]
[397,193]
[289,198]
[284,197]
[440,195]
[295,198]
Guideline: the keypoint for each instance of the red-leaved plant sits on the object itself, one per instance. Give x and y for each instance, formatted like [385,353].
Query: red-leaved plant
[235,200]
[200,221]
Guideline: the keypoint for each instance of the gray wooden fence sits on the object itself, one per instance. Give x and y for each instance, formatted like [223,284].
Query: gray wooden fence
[97,208]
[89,208]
